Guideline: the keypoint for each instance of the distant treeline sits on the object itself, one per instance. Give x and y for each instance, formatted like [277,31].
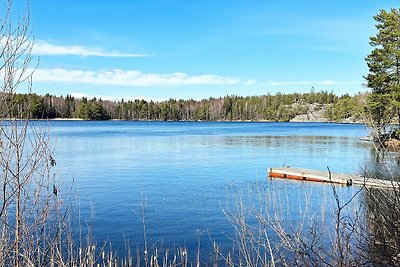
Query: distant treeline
[278,107]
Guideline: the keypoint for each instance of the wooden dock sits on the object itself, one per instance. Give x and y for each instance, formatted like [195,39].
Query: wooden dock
[326,177]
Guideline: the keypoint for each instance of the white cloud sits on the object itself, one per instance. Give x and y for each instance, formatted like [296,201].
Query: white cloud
[47,49]
[250,82]
[118,77]
[312,83]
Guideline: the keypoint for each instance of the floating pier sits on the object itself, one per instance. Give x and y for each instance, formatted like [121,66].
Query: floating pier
[329,177]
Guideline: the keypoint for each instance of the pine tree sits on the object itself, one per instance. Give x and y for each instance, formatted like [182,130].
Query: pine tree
[384,70]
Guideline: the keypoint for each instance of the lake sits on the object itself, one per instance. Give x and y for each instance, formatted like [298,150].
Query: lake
[183,174]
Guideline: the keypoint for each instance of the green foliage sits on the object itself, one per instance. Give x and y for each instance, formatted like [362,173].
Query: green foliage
[347,107]
[278,107]
[91,110]
[384,69]
[343,109]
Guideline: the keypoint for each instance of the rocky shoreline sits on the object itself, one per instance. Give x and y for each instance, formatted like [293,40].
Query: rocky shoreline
[317,113]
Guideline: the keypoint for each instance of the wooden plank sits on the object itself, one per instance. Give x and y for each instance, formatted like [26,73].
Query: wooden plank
[372,182]
[326,177]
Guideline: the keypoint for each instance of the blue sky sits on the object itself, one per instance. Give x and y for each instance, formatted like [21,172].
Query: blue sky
[199,49]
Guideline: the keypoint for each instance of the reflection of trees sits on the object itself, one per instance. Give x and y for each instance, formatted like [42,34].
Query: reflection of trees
[384,163]
[381,207]
[273,140]
[382,210]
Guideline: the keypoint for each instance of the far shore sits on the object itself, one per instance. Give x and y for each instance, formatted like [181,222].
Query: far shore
[308,121]
[65,119]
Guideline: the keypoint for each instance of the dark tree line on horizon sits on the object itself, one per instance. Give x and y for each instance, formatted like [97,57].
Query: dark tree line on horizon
[278,107]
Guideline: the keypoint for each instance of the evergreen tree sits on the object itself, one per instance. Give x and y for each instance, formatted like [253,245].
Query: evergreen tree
[384,69]
[82,111]
[70,106]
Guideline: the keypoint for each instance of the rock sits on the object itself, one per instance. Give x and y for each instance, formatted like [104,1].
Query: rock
[316,113]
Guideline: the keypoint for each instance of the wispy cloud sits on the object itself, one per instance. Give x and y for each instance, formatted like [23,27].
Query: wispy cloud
[47,49]
[250,82]
[134,78]
[311,83]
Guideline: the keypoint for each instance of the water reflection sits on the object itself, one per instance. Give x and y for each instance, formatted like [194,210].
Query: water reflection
[182,169]
[379,230]
[382,229]
[383,164]
[283,142]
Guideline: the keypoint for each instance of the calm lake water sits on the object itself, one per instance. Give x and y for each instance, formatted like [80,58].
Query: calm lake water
[186,172]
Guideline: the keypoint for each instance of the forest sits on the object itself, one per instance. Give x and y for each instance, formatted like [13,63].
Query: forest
[277,107]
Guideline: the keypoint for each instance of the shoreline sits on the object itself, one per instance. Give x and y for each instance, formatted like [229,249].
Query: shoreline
[241,121]
[62,119]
